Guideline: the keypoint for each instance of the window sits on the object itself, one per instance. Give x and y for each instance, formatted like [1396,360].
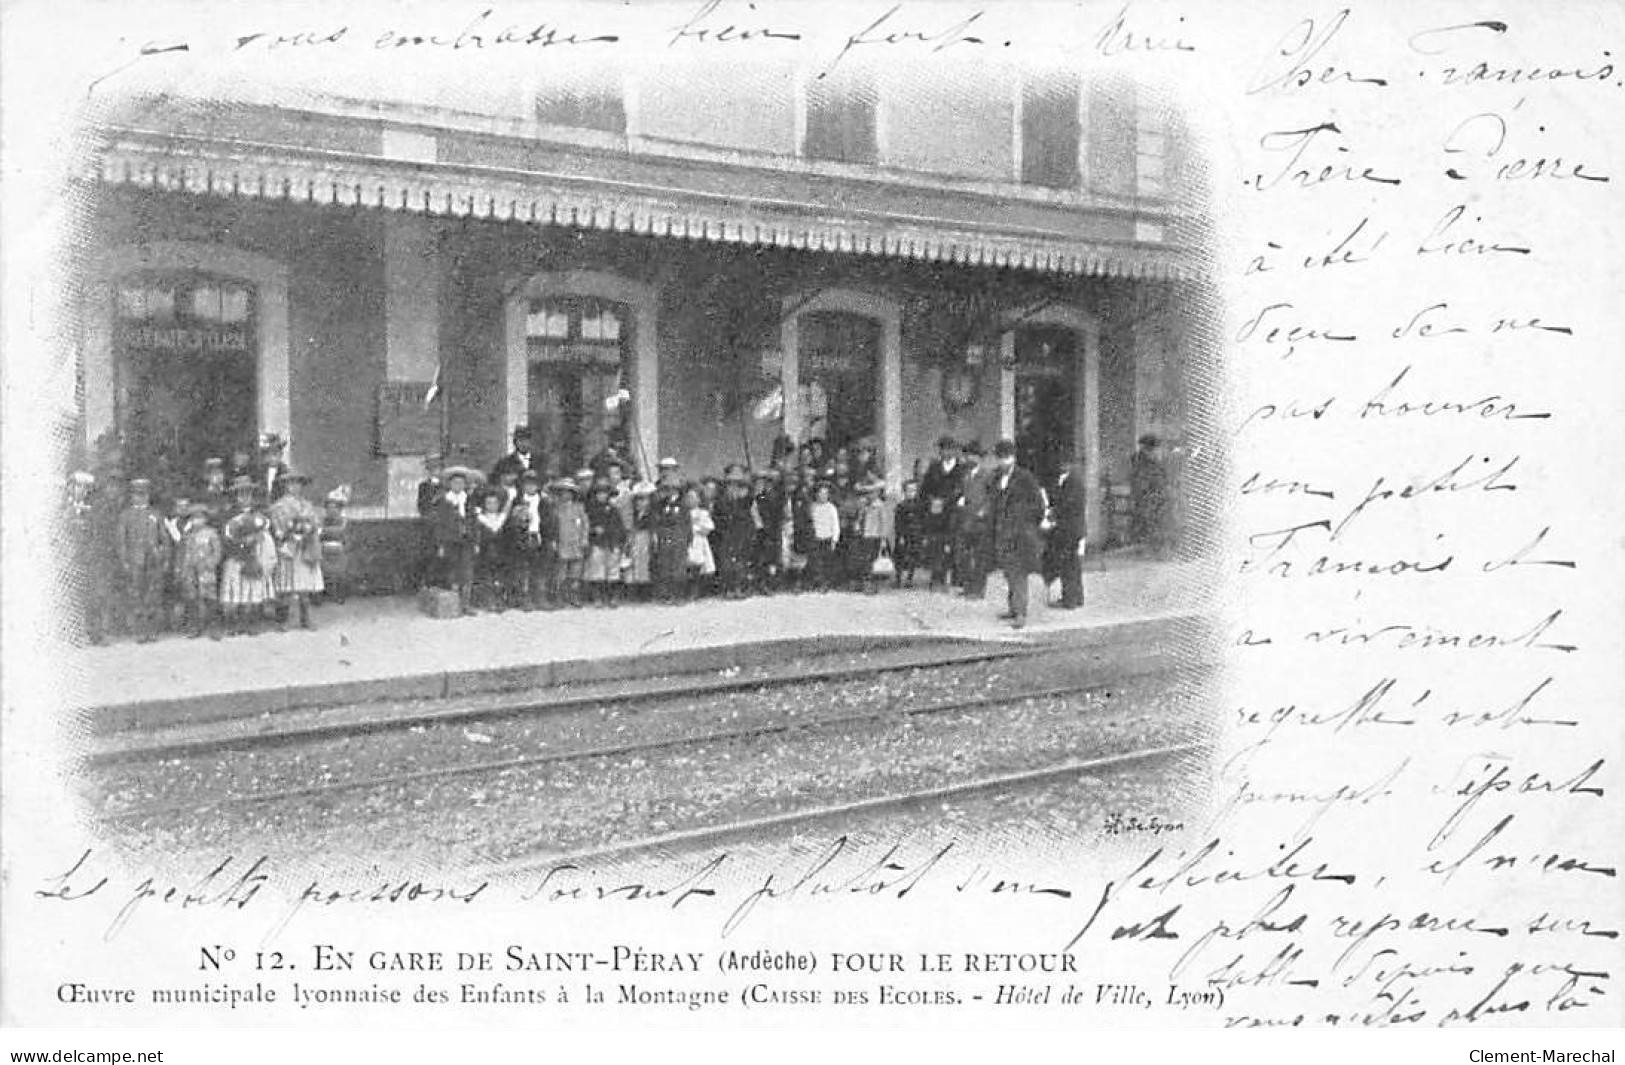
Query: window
[1050,132]
[220,303]
[586,322]
[841,120]
[583,105]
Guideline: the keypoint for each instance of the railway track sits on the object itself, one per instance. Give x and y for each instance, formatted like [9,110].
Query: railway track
[704,835]
[659,745]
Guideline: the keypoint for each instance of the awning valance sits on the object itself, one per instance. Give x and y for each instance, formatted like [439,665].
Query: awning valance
[209,166]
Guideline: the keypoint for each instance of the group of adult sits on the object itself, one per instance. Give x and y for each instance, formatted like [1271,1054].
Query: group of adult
[998,515]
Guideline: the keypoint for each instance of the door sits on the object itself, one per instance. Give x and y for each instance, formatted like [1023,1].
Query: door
[1046,401]
[187,367]
[839,371]
[577,348]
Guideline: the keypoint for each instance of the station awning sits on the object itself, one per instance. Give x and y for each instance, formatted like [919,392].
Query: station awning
[544,185]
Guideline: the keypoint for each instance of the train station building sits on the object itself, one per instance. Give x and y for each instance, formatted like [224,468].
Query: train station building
[696,266]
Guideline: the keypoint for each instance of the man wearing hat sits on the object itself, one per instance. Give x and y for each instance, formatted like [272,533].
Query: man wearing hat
[767,510]
[1016,510]
[1148,487]
[672,533]
[141,557]
[735,531]
[296,527]
[970,521]
[521,459]
[1066,539]
[941,487]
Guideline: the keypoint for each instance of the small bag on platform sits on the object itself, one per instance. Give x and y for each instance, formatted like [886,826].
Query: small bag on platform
[883,566]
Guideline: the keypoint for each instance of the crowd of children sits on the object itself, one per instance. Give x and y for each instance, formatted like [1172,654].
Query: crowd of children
[243,549]
[237,552]
[517,539]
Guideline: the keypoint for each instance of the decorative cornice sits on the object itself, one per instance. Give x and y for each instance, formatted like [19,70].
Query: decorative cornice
[172,161]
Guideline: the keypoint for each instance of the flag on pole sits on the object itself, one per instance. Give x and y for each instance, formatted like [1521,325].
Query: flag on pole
[434,388]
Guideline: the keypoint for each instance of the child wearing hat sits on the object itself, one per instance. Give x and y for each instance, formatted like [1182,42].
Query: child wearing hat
[296,527]
[638,572]
[454,536]
[215,492]
[874,530]
[606,544]
[908,543]
[197,571]
[335,538]
[530,544]
[142,560]
[251,558]
[570,541]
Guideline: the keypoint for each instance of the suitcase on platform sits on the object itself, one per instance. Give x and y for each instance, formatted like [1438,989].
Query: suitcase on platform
[439,602]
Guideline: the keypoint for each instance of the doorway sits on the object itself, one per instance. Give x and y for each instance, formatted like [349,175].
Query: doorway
[186,363]
[1046,400]
[839,368]
[575,350]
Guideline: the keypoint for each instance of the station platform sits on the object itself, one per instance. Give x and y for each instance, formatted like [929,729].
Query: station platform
[378,648]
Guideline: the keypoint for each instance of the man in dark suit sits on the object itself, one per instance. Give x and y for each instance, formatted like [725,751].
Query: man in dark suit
[521,460]
[941,487]
[1016,507]
[1069,531]
[970,520]
[429,573]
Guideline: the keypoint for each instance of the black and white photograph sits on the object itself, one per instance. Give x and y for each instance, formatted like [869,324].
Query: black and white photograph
[952,516]
[659,455]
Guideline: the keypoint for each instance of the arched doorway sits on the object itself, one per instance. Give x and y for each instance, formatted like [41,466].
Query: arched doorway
[842,372]
[1050,395]
[582,371]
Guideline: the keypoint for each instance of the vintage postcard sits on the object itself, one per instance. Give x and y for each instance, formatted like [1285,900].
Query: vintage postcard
[943,515]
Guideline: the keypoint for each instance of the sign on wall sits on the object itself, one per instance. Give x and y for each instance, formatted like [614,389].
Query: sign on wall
[408,422]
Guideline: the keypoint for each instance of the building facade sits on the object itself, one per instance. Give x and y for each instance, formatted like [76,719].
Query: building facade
[694,266]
